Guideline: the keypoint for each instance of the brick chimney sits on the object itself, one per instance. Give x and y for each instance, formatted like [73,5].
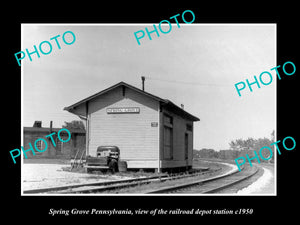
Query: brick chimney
[37,123]
[143,83]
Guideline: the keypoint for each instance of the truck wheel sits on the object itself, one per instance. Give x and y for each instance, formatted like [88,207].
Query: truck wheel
[113,166]
[116,167]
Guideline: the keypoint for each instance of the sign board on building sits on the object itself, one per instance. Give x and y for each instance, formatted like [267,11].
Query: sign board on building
[123,110]
[154,124]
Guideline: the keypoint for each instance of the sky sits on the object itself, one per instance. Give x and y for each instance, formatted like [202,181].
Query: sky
[196,65]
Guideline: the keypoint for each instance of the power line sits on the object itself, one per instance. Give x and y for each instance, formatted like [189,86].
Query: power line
[188,83]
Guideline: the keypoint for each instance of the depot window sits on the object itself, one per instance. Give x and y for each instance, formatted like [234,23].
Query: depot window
[168,120]
[189,127]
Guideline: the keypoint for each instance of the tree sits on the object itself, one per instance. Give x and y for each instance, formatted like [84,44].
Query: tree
[273,136]
[250,145]
[205,153]
[75,124]
[240,144]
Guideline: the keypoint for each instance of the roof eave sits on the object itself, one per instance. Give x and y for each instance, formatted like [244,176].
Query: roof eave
[164,101]
[183,112]
[69,108]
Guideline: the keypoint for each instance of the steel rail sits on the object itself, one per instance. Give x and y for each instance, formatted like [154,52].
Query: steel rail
[65,187]
[213,190]
[109,185]
[134,183]
[203,181]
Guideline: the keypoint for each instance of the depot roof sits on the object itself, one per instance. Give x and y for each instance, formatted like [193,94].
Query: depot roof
[165,102]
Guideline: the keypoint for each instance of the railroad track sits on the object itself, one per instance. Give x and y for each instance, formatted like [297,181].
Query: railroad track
[99,187]
[198,185]
[209,185]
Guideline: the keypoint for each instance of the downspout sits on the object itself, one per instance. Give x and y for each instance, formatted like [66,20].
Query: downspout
[159,138]
[87,128]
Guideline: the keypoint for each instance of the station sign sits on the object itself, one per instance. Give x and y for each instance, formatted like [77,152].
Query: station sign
[154,124]
[123,110]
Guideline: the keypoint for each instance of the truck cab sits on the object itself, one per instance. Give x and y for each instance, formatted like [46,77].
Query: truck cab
[106,158]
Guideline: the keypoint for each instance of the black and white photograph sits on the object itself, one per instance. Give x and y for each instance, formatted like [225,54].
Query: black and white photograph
[187,112]
[144,112]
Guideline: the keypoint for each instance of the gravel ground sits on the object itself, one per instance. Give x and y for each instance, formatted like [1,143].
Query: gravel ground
[42,175]
[263,185]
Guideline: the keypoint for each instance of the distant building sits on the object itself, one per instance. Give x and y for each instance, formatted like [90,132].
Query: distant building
[150,132]
[65,150]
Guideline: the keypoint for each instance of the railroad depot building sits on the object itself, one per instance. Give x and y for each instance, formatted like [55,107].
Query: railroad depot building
[151,132]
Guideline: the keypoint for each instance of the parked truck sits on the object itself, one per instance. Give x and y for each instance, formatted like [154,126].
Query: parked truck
[107,158]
